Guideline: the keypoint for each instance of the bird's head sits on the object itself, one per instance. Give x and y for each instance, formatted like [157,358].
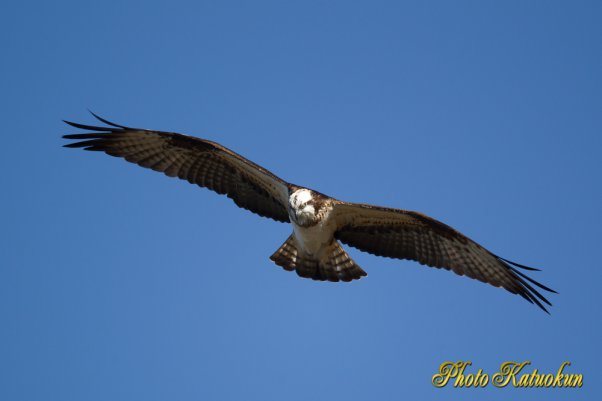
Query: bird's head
[303,208]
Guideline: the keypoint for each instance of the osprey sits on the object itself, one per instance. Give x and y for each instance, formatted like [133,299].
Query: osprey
[320,222]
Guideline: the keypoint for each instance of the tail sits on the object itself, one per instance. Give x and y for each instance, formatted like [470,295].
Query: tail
[333,265]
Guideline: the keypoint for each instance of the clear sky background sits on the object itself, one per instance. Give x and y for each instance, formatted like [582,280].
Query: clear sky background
[117,283]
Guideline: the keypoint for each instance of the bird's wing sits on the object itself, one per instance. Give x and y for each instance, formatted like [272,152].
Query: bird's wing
[402,234]
[198,161]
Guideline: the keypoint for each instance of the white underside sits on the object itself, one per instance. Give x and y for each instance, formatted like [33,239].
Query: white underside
[314,240]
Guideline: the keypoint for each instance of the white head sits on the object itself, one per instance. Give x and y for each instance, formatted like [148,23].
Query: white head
[301,207]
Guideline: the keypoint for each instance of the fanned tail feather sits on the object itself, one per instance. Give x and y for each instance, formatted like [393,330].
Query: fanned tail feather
[334,265]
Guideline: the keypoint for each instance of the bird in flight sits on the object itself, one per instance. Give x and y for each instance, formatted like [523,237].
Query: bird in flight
[320,223]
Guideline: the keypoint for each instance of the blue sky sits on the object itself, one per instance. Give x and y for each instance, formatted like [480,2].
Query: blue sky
[118,283]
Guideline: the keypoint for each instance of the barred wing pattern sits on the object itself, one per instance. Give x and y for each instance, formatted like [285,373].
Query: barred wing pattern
[402,234]
[198,161]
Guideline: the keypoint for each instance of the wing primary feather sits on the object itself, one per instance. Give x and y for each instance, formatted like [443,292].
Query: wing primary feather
[541,306]
[532,299]
[95,148]
[518,264]
[95,135]
[527,286]
[89,127]
[81,144]
[107,121]
[536,301]
[525,296]
[540,285]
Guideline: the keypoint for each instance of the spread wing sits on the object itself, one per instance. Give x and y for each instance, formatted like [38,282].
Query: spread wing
[198,161]
[403,234]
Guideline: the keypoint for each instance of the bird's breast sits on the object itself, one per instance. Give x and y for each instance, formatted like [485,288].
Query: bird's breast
[315,237]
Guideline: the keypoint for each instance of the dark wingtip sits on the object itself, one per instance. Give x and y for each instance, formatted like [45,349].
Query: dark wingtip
[88,127]
[543,308]
[71,123]
[532,281]
[529,293]
[106,121]
[532,299]
[518,264]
